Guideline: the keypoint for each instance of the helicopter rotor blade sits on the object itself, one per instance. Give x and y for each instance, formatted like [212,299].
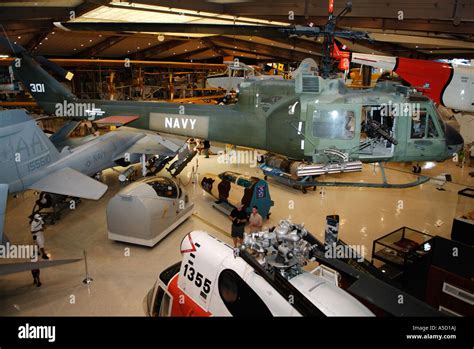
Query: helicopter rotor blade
[349,34]
[266,31]
[184,28]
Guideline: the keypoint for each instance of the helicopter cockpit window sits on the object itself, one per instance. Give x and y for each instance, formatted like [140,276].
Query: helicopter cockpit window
[165,187]
[418,125]
[239,298]
[228,176]
[334,124]
[423,125]
[432,131]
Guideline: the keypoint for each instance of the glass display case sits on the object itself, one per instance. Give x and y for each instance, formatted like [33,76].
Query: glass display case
[401,248]
[463,223]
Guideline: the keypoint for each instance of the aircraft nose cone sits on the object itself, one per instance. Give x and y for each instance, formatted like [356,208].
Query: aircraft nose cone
[454,141]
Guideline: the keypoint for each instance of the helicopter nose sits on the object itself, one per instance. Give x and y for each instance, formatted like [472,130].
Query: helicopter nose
[454,140]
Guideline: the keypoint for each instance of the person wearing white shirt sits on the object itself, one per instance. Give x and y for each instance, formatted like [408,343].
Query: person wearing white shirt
[37,230]
[255,220]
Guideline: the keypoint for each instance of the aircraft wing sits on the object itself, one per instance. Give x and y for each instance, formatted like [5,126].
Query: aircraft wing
[67,181]
[11,268]
[154,144]
[3,207]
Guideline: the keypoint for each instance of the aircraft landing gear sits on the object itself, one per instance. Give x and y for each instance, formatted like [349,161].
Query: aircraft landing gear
[416,169]
[51,206]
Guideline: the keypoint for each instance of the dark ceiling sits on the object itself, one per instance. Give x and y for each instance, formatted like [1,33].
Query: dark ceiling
[419,29]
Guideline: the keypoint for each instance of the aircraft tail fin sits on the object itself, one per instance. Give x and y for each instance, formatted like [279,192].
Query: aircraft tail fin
[25,138]
[64,132]
[45,89]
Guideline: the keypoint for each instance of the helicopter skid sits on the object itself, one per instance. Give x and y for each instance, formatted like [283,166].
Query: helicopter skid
[308,181]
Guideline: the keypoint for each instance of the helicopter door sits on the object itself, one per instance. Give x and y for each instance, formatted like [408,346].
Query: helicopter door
[331,126]
[425,138]
[377,140]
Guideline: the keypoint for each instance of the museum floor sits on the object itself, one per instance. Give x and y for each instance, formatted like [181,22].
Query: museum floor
[121,282]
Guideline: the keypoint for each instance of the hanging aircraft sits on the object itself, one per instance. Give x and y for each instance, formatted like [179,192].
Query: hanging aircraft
[318,124]
[267,277]
[451,85]
[29,160]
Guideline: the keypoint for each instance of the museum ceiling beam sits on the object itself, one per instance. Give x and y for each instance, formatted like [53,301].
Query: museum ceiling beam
[208,43]
[157,49]
[37,39]
[258,57]
[59,14]
[259,54]
[93,51]
[387,48]
[451,55]
[272,51]
[186,55]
